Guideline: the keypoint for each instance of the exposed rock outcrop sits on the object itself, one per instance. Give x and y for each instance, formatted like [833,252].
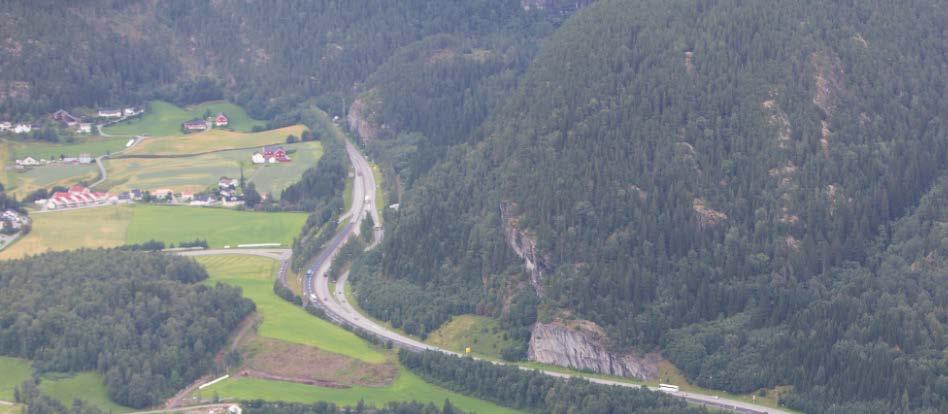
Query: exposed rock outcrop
[361,118]
[525,247]
[578,345]
[707,216]
[830,80]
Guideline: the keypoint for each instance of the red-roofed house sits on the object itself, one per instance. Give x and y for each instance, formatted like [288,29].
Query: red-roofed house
[221,120]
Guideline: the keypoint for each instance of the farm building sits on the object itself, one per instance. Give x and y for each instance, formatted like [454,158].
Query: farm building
[28,162]
[257,158]
[194,125]
[110,113]
[221,120]
[84,128]
[22,128]
[162,193]
[5,126]
[65,117]
[14,219]
[128,111]
[275,154]
[187,196]
[225,182]
[76,196]
[85,158]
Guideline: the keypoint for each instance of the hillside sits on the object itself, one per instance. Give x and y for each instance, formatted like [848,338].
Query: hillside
[747,188]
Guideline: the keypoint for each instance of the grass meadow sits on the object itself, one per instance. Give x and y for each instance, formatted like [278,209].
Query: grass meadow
[213,140]
[164,118]
[121,224]
[15,371]
[87,386]
[201,172]
[281,319]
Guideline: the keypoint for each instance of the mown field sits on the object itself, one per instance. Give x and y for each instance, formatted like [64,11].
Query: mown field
[163,118]
[86,386]
[287,322]
[213,140]
[22,182]
[282,320]
[117,225]
[406,387]
[201,172]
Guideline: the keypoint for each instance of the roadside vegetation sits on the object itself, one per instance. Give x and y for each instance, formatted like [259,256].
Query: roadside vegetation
[86,385]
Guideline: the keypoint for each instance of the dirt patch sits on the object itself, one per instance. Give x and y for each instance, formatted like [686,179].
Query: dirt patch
[825,137]
[707,216]
[440,56]
[829,78]
[779,119]
[274,359]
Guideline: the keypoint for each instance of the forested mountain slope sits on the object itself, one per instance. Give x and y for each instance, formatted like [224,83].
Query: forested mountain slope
[266,56]
[748,187]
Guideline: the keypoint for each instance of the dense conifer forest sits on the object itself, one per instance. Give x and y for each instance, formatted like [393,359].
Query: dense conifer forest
[141,320]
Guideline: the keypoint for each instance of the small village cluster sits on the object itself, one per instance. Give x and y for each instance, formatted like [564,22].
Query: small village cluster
[197,124]
[270,155]
[80,124]
[226,194]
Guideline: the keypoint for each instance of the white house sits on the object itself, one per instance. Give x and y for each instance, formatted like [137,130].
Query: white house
[84,128]
[28,161]
[234,409]
[162,193]
[187,196]
[85,158]
[129,111]
[110,113]
[22,128]
[258,158]
[5,126]
[225,182]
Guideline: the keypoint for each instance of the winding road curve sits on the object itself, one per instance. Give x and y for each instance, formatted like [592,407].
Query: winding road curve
[317,292]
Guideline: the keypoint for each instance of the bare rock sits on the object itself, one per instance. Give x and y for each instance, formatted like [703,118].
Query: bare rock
[579,345]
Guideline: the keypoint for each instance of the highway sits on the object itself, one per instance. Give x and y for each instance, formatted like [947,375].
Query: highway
[316,285]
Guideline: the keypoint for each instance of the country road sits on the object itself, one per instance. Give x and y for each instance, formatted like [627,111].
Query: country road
[337,307]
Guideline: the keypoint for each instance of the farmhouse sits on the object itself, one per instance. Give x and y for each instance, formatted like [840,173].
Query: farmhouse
[201,200]
[227,183]
[128,111]
[13,219]
[257,158]
[85,158]
[65,117]
[275,154]
[5,126]
[110,113]
[76,196]
[194,125]
[187,196]
[84,128]
[162,193]
[22,128]
[221,120]
[28,162]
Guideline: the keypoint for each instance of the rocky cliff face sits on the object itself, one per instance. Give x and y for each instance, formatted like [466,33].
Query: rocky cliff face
[361,117]
[525,247]
[578,345]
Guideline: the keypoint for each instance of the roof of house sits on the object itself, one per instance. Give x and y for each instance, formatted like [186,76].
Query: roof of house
[78,189]
[195,122]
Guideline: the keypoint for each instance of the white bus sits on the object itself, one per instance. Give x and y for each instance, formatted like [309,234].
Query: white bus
[667,388]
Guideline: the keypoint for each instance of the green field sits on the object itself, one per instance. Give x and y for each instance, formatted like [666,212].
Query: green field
[13,371]
[213,140]
[164,118]
[220,227]
[23,182]
[86,386]
[117,225]
[482,334]
[198,173]
[282,320]
[406,387]
[92,145]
